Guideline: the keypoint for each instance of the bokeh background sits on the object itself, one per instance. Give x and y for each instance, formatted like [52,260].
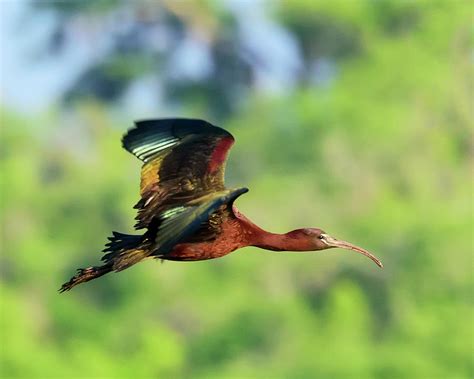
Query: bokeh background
[353,116]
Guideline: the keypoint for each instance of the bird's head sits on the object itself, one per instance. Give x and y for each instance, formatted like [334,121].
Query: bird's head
[317,239]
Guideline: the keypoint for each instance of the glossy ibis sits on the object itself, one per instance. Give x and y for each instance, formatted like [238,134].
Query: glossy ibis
[185,210]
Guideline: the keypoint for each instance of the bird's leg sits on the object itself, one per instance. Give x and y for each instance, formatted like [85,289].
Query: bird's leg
[86,274]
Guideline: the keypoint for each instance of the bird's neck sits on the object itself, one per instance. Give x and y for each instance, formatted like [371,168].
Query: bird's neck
[291,241]
[256,236]
[272,241]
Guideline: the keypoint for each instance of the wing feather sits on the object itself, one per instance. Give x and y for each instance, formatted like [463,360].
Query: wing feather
[182,221]
[184,160]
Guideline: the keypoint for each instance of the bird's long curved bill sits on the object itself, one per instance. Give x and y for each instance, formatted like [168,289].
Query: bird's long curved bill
[330,241]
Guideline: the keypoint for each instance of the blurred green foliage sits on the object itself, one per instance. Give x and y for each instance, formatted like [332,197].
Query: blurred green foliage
[382,158]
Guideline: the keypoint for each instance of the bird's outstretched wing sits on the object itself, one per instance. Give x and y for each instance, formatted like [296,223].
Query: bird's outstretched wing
[184,163]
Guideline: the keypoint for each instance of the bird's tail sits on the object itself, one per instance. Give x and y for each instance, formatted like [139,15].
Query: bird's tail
[122,251]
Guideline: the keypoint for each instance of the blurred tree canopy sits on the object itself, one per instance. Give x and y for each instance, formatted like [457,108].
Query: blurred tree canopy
[369,135]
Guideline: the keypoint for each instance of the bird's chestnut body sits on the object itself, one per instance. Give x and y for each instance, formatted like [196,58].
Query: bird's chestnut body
[235,235]
[238,231]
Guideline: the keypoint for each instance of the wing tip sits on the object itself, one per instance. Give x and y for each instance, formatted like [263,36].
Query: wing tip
[241,191]
[179,125]
[153,130]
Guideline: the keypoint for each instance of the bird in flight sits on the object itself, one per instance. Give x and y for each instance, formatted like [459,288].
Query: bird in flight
[185,211]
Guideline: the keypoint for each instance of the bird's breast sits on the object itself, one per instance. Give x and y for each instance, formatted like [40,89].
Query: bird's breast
[231,238]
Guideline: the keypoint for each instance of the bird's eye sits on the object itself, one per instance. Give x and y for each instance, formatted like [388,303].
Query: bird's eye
[321,236]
